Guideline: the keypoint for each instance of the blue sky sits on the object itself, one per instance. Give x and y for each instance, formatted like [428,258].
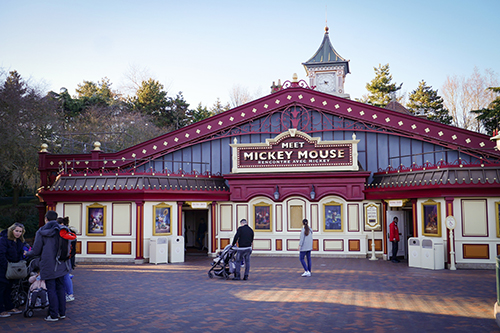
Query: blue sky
[205,48]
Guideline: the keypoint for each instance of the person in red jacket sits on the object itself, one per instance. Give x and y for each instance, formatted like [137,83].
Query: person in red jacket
[394,238]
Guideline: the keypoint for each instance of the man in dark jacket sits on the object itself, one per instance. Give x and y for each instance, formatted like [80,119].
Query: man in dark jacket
[244,237]
[52,271]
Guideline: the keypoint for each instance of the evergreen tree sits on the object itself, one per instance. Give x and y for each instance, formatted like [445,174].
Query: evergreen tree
[490,117]
[151,100]
[178,109]
[200,113]
[381,88]
[424,100]
[218,107]
[91,94]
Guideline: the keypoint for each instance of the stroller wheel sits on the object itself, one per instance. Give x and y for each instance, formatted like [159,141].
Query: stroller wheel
[22,297]
[210,275]
[28,313]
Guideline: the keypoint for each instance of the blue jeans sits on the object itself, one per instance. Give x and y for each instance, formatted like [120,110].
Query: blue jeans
[245,255]
[68,284]
[308,255]
[57,297]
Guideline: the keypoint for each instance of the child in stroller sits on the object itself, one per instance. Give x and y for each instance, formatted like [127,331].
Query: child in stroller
[223,265]
[37,295]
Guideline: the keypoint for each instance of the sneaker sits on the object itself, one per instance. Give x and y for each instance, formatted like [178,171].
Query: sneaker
[62,317]
[309,273]
[4,314]
[70,298]
[15,311]
[306,273]
[49,318]
[71,276]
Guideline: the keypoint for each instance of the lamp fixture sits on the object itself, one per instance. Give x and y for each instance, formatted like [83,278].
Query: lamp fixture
[313,193]
[276,193]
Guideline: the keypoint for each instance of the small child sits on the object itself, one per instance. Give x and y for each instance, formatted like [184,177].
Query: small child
[38,290]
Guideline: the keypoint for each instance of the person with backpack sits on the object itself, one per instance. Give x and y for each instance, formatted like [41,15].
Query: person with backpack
[70,236]
[52,268]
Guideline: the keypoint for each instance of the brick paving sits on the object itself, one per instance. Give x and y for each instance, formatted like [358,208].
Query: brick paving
[341,295]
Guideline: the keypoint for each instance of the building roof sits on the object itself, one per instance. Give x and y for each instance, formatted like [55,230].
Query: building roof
[436,181]
[326,55]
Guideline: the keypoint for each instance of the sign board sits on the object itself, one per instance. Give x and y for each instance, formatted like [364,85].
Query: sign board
[295,151]
[199,205]
[372,216]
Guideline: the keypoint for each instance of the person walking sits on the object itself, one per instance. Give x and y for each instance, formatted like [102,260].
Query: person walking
[200,235]
[46,246]
[68,282]
[244,237]
[11,250]
[305,247]
[394,238]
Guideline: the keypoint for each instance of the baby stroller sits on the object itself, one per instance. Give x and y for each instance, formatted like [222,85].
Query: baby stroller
[223,265]
[38,303]
[19,291]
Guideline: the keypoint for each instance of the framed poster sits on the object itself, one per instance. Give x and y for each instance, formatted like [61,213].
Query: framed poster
[96,220]
[431,218]
[262,217]
[161,219]
[332,213]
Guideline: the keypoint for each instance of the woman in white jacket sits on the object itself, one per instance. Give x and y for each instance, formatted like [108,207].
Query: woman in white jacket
[305,247]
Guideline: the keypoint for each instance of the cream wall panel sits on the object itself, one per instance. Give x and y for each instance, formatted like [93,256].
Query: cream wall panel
[262,244]
[242,213]
[353,216]
[122,215]
[474,218]
[279,218]
[74,212]
[226,217]
[293,244]
[333,245]
[314,223]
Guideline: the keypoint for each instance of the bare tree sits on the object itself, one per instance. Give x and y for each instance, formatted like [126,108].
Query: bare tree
[461,95]
[239,95]
[134,76]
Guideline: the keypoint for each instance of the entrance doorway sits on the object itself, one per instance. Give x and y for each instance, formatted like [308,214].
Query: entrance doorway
[196,230]
[405,226]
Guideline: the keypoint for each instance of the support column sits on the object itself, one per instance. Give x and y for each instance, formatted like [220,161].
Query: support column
[449,211]
[139,232]
[42,209]
[384,227]
[179,218]
[213,246]
[414,216]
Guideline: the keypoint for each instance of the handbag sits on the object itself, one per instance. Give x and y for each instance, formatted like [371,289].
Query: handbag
[16,270]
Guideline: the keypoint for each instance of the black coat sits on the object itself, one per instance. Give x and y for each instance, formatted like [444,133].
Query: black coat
[10,251]
[244,236]
[46,246]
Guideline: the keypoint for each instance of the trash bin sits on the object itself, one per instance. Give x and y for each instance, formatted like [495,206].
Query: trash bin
[176,249]
[158,250]
[432,254]
[414,252]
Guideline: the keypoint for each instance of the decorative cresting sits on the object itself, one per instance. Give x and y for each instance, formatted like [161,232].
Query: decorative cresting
[295,151]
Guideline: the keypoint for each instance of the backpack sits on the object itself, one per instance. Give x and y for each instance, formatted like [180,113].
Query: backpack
[65,238]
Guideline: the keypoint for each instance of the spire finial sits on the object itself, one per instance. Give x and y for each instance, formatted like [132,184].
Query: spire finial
[326,18]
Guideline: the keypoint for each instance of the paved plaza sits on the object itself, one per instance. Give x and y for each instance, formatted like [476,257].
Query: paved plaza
[341,295]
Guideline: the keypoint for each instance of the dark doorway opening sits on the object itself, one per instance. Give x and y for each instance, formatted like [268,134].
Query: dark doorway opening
[196,231]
